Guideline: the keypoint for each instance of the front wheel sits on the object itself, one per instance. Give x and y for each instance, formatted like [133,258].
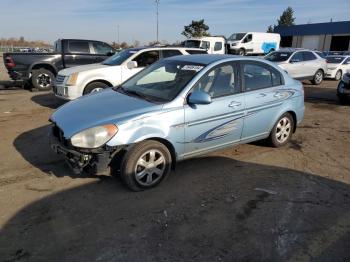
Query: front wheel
[145,165]
[241,52]
[282,131]
[338,75]
[94,88]
[42,79]
[318,77]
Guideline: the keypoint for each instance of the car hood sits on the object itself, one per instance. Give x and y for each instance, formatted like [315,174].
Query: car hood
[82,68]
[105,107]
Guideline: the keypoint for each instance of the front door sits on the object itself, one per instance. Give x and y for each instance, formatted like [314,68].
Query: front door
[220,123]
[296,66]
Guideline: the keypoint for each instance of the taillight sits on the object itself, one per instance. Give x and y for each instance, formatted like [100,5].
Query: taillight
[9,63]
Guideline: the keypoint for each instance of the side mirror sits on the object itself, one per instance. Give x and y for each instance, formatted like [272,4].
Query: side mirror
[199,98]
[131,64]
[110,53]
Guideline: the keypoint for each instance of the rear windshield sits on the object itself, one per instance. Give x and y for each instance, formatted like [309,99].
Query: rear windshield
[335,59]
[278,56]
[192,43]
[119,58]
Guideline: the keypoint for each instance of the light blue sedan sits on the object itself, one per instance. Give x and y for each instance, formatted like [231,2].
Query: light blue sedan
[177,108]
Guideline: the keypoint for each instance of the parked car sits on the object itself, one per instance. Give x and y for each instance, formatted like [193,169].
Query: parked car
[301,64]
[212,44]
[175,109]
[40,69]
[74,82]
[343,90]
[253,43]
[337,65]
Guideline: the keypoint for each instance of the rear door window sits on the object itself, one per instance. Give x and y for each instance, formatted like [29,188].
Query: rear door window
[78,47]
[297,57]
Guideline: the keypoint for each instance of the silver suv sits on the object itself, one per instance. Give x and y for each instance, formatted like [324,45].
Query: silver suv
[301,64]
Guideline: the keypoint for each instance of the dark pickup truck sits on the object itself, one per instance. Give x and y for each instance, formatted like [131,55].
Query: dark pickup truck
[40,69]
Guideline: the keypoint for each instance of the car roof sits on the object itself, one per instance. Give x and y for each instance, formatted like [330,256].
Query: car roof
[202,58]
[293,49]
[163,47]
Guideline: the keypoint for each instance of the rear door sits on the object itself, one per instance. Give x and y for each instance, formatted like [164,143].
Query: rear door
[262,88]
[78,52]
[143,60]
[219,123]
[311,64]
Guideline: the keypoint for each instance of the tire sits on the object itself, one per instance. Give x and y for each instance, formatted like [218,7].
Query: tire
[286,133]
[338,75]
[343,100]
[42,79]
[271,50]
[241,52]
[318,77]
[132,170]
[94,87]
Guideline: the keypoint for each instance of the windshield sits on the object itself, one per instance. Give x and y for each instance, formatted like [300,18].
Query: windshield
[278,56]
[238,36]
[335,59]
[162,81]
[119,58]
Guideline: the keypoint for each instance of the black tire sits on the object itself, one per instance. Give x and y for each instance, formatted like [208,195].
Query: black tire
[338,75]
[241,52]
[273,140]
[141,152]
[42,79]
[343,100]
[318,77]
[94,86]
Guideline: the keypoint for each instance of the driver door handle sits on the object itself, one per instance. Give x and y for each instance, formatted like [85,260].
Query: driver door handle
[234,104]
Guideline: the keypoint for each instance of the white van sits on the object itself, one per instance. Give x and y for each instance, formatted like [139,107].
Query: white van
[253,43]
[213,44]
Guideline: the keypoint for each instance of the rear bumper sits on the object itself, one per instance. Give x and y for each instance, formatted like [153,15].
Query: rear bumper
[17,75]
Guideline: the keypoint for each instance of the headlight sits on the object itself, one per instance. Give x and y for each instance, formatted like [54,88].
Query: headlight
[94,137]
[233,44]
[72,79]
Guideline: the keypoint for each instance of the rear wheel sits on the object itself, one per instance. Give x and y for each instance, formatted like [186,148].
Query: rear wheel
[42,79]
[318,77]
[338,75]
[94,87]
[282,131]
[145,165]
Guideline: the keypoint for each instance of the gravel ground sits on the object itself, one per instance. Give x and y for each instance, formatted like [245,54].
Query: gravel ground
[245,203]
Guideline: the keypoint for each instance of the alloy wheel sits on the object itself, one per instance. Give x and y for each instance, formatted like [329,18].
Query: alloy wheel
[283,130]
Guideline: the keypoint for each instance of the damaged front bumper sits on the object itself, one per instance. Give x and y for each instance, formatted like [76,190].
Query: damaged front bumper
[91,161]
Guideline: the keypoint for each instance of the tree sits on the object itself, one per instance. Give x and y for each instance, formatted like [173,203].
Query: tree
[271,29]
[196,29]
[287,19]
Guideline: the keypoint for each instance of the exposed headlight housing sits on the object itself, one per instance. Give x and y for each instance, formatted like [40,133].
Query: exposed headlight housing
[94,137]
[72,79]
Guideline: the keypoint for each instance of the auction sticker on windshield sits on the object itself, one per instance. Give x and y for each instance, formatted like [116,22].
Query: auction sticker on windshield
[192,68]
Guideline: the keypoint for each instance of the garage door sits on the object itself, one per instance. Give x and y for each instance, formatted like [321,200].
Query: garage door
[310,41]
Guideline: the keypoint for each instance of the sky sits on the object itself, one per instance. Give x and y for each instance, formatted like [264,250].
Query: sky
[49,20]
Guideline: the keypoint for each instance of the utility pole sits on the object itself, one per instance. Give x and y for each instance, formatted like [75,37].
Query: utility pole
[118,34]
[157,3]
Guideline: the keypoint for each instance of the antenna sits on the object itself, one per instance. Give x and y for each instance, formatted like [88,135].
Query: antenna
[157,3]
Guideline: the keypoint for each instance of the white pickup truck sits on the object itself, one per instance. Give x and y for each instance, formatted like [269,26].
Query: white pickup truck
[74,82]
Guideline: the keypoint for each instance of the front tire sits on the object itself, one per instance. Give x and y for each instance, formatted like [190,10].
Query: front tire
[94,88]
[338,75]
[241,52]
[42,79]
[282,131]
[318,77]
[145,165]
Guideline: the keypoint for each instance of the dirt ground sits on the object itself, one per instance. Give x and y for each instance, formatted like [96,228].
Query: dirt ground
[248,203]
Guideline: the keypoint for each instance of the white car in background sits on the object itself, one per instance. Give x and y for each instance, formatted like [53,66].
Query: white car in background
[337,65]
[301,64]
[75,82]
